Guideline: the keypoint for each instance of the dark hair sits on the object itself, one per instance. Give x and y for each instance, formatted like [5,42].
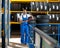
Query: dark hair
[24,9]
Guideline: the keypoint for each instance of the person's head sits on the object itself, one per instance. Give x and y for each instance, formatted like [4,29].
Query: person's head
[24,11]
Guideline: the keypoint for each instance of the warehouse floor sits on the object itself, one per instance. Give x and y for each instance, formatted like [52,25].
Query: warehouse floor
[15,40]
[16,43]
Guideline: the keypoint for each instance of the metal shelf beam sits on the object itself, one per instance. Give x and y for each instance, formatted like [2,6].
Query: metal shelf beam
[35,0]
[28,0]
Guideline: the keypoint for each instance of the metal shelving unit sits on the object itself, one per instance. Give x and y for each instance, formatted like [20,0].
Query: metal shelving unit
[29,1]
[5,22]
[0,22]
[42,12]
[35,1]
[7,16]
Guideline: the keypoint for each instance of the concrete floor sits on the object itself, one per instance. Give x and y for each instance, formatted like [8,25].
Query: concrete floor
[15,40]
[16,43]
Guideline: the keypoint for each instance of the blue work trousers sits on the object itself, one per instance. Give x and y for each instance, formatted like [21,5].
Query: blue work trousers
[24,33]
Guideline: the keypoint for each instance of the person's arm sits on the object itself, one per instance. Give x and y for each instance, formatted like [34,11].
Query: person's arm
[30,18]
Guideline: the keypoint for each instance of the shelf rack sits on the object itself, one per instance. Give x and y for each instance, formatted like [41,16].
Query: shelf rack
[35,0]
[20,23]
[28,0]
[49,12]
[15,23]
[29,11]
[46,12]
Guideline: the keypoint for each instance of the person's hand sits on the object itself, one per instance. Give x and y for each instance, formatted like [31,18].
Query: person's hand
[26,20]
[29,19]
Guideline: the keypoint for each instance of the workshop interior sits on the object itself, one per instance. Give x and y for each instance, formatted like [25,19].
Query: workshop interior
[44,29]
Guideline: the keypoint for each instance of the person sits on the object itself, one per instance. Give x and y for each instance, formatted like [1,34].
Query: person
[24,19]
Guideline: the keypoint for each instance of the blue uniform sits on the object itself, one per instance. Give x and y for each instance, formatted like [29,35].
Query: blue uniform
[24,31]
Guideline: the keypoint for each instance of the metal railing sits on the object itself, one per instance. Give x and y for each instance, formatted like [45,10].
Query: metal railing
[47,41]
